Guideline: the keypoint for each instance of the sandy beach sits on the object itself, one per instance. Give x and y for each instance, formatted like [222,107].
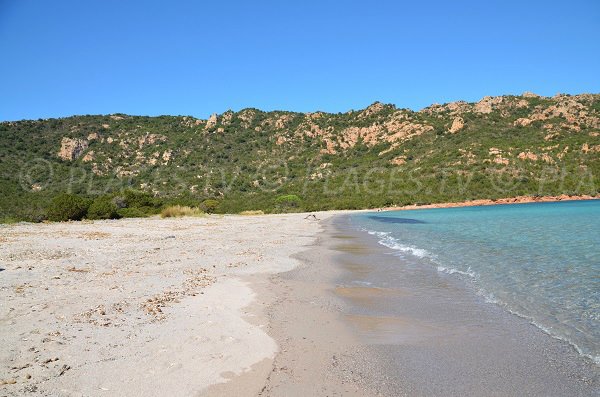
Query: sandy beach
[140,306]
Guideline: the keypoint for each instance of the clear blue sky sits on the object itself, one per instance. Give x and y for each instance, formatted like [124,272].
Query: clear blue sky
[60,58]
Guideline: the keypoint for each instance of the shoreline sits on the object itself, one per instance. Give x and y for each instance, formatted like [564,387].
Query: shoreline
[501,201]
[316,349]
[339,334]
[273,305]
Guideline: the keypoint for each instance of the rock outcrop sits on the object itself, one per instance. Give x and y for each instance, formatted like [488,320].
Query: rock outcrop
[150,139]
[374,108]
[72,148]
[89,156]
[522,122]
[528,94]
[527,156]
[457,124]
[487,104]
[211,122]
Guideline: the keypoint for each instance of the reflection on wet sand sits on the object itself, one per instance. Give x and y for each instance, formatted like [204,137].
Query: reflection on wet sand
[396,330]
[368,295]
[358,249]
[358,268]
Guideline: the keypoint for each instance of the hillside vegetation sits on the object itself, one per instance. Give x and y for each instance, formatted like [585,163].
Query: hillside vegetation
[284,161]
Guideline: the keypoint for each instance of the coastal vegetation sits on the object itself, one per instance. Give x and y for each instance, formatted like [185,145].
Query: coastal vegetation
[177,211]
[68,207]
[113,166]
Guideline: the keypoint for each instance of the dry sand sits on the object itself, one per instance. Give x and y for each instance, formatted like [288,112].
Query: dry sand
[147,307]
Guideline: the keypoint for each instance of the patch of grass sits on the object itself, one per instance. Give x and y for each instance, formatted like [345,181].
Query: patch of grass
[176,211]
[253,212]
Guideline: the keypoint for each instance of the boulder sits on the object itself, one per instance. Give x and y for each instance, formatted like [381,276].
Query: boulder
[457,124]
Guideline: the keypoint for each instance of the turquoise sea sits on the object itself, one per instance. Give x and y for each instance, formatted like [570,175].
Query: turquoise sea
[540,261]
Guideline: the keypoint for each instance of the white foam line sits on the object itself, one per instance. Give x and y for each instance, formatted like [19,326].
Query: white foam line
[386,240]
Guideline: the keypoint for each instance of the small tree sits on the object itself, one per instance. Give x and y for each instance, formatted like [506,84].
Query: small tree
[209,206]
[287,202]
[68,207]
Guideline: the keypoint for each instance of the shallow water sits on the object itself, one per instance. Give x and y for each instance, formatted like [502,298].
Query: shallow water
[540,261]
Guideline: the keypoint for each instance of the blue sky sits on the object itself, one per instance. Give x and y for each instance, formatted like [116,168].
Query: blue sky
[61,58]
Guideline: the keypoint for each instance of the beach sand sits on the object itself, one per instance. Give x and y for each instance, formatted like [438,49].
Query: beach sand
[147,307]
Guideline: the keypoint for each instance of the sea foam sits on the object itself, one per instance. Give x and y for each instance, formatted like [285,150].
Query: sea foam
[387,240]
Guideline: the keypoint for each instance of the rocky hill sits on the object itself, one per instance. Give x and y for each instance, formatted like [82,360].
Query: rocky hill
[501,146]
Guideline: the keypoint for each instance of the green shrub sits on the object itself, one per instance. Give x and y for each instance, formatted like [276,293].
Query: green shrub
[288,201]
[132,213]
[103,207]
[183,200]
[68,207]
[137,199]
[136,204]
[209,206]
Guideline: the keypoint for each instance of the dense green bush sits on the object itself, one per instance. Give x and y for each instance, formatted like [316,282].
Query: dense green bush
[209,206]
[103,207]
[136,204]
[184,200]
[68,207]
[287,201]
[132,213]
[137,199]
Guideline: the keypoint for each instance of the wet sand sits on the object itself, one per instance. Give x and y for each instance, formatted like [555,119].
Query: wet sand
[353,321]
